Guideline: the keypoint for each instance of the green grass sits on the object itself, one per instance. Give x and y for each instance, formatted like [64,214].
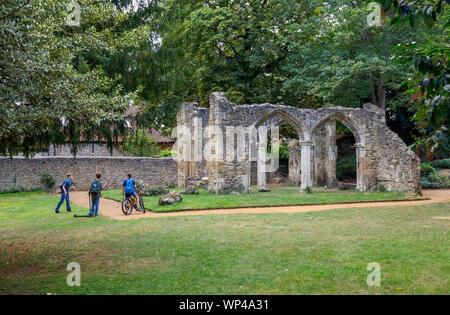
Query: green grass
[278,196]
[305,253]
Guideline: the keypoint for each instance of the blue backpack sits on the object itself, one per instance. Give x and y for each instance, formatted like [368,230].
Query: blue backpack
[62,184]
[129,186]
[95,187]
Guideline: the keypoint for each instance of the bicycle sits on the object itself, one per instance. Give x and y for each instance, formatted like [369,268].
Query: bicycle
[133,202]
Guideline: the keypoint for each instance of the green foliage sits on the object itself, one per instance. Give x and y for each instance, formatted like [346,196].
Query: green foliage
[445,163]
[48,181]
[355,64]
[382,188]
[308,190]
[166,153]
[159,54]
[426,169]
[282,151]
[346,168]
[430,85]
[431,179]
[140,144]
[44,99]
[435,181]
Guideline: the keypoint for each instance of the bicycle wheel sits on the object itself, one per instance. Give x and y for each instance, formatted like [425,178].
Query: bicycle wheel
[141,204]
[127,207]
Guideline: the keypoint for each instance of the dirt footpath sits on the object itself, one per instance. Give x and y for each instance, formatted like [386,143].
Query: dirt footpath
[112,209]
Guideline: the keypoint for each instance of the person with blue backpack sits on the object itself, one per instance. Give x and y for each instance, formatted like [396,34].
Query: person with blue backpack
[65,189]
[95,194]
[129,187]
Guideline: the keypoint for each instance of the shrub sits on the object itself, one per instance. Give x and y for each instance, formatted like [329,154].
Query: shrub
[282,151]
[346,168]
[426,169]
[166,153]
[431,185]
[435,181]
[382,188]
[140,144]
[445,163]
[438,178]
[308,190]
[48,181]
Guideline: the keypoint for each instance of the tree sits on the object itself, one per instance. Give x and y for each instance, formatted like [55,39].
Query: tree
[348,63]
[430,85]
[43,98]
[300,53]
[140,144]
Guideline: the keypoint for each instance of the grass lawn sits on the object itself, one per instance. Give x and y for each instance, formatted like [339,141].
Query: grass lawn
[305,253]
[278,196]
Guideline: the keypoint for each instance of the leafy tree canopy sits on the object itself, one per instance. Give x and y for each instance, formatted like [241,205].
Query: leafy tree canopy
[43,98]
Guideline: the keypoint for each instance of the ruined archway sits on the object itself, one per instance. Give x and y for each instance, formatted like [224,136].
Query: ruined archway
[274,118]
[325,152]
[382,157]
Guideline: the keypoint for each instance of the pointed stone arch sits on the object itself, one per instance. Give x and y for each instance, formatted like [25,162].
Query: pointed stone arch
[344,119]
[359,145]
[286,118]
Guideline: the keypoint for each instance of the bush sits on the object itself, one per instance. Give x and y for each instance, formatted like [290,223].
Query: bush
[438,178]
[426,169]
[282,151]
[166,153]
[308,190]
[382,188]
[48,181]
[140,144]
[435,181]
[346,168]
[441,163]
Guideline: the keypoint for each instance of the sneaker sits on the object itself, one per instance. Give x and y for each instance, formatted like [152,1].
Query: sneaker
[56,211]
[69,210]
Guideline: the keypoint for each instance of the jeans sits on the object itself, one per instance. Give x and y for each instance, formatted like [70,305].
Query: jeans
[66,198]
[94,206]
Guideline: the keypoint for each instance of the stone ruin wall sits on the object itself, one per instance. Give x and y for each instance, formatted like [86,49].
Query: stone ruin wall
[382,158]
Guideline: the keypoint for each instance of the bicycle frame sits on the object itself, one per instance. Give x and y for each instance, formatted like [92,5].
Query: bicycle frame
[134,200]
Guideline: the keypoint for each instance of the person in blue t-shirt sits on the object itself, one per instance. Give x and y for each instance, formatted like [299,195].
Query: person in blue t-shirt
[65,189]
[129,187]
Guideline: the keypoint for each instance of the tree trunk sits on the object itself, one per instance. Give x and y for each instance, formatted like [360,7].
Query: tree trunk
[379,95]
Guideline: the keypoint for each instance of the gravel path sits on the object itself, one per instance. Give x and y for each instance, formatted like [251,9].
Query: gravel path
[112,209]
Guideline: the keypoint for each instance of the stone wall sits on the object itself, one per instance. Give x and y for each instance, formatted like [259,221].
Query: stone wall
[382,157]
[26,173]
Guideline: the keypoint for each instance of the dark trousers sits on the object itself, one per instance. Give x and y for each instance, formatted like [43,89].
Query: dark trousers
[66,198]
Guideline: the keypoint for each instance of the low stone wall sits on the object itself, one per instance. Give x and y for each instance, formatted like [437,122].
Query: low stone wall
[26,173]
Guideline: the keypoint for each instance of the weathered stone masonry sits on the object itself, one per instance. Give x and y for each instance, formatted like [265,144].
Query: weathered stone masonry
[26,173]
[382,157]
